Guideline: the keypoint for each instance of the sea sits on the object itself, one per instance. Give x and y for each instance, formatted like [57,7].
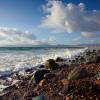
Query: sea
[16,59]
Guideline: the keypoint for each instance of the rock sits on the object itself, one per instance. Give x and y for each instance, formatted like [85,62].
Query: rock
[64,90]
[98,59]
[59,59]
[88,52]
[51,64]
[65,81]
[82,59]
[91,59]
[77,73]
[49,75]
[39,75]
[41,66]
[83,73]
[73,74]
[42,82]
[32,80]
[40,97]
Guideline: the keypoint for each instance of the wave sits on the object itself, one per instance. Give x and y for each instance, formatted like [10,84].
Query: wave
[18,61]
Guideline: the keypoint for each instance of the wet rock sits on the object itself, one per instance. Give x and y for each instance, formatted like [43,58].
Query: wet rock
[41,66]
[39,75]
[51,64]
[98,59]
[59,59]
[83,73]
[65,81]
[28,70]
[88,52]
[73,61]
[82,59]
[91,59]
[40,97]
[49,75]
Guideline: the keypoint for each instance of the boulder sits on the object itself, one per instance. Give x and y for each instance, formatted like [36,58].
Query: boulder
[39,75]
[51,64]
[93,59]
[59,59]
[98,59]
[77,73]
[41,66]
[42,82]
[49,75]
[74,73]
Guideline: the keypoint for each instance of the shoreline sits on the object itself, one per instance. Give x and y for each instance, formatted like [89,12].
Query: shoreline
[60,83]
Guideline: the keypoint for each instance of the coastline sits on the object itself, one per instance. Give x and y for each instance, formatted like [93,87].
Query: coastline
[62,83]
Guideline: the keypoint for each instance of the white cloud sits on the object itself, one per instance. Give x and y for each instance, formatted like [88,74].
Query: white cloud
[90,35]
[70,17]
[12,36]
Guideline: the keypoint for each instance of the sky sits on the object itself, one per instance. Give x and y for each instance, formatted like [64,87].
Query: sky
[42,22]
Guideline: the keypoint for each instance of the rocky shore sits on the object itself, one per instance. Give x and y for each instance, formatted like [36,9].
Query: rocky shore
[60,79]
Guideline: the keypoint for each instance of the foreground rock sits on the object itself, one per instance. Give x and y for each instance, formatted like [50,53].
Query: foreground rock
[51,64]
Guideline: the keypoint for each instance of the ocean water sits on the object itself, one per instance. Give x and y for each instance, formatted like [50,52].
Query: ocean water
[15,59]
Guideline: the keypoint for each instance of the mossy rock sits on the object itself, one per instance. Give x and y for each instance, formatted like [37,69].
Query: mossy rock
[51,64]
[39,75]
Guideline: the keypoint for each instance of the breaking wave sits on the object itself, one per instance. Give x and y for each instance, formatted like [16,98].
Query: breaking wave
[18,60]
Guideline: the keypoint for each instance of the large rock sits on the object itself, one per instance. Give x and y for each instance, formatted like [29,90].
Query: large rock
[73,74]
[98,59]
[49,76]
[39,75]
[77,73]
[51,64]
[59,59]
[93,59]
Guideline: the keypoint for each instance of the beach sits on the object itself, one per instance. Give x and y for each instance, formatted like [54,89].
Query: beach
[73,78]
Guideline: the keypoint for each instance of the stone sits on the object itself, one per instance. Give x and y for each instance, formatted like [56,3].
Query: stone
[51,64]
[77,73]
[41,66]
[74,73]
[64,90]
[97,75]
[98,59]
[49,75]
[59,59]
[65,81]
[39,75]
[42,82]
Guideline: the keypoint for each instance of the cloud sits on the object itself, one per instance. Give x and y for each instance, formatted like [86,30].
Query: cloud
[90,35]
[12,36]
[70,17]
